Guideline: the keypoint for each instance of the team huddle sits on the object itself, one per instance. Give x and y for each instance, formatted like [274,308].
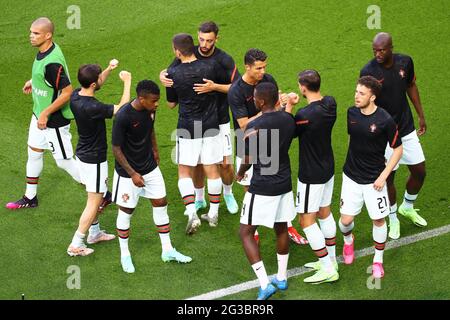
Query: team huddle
[204,83]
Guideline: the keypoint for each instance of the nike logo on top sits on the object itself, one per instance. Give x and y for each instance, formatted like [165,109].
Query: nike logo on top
[249,98]
[135,124]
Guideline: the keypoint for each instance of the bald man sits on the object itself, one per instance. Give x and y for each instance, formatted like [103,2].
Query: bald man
[396,74]
[50,123]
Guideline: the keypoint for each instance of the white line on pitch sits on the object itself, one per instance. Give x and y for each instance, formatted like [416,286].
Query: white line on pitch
[217,294]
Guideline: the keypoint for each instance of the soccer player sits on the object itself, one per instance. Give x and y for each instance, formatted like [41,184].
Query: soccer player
[365,171]
[396,74]
[207,39]
[240,99]
[50,123]
[137,173]
[269,201]
[90,115]
[316,175]
[198,135]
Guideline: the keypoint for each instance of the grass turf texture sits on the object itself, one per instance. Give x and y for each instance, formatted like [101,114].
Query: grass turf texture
[331,37]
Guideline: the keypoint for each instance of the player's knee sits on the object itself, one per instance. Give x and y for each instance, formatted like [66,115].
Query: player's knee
[126,210]
[419,173]
[379,222]
[159,202]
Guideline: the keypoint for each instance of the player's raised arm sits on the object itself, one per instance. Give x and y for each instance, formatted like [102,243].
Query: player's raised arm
[104,75]
[125,76]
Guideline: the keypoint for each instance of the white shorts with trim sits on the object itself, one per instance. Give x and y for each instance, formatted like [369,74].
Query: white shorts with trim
[248,174]
[412,150]
[225,133]
[258,210]
[57,140]
[190,152]
[355,195]
[94,176]
[126,193]
[311,197]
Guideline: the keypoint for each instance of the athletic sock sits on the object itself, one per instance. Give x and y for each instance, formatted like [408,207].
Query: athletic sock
[347,231]
[187,191]
[227,189]
[328,227]
[161,220]
[94,229]
[379,238]
[35,163]
[317,243]
[123,231]
[408,200]
[200,194]
[282,266]
[78,239]
[214,189]
[393,213]
[261,273]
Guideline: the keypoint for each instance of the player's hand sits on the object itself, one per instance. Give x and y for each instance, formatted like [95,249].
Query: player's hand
[156,156]
[422,127]
[283,97]
[125,76]
[42,121]
[27,87]
[138,180]
[166,82]
[293,98]
[113,64]
[379,184]
[206,87]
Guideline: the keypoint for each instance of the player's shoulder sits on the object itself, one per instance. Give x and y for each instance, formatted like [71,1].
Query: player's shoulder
[402,59]
[370,66]
[329,101]
[236,86]
[268,78]
[353,111]
[383,113]
[122,114]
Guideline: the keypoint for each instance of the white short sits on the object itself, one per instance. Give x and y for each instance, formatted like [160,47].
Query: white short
[311,197]
[354,195]
[94,176]
[58,140]
[412,150]
[190,152]
[258,210]
[225,133]
[248,174]
[126,194]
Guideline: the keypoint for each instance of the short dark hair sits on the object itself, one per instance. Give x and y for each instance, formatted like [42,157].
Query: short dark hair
[146,87]
[184,43]
[88,74]
[310,79]
[253,55]
[268,92]
[373,84]
[209,26]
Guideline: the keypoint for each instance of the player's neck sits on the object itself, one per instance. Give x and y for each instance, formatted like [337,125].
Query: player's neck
[45,46]
[313,97]
[136,105]
[206,55]
[370,109]
[249,80]
[87,92]
[388,63]
[188,59]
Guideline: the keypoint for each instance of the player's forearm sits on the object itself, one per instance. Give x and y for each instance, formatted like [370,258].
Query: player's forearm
[243,168]
[171,105]
[59,102]
[413,94]
[154,142]
[393,160]
[126,93]
[222,87]
[104,75]
[120,157]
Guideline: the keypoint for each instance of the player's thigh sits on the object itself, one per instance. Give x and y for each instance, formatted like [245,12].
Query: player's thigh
[259,210]
[94,176]
[212,150]
[377,202]
[286,208]
[352,197]
[309,197]
[36,136]
[125,192]
[188,151]
[327,194]
[248,174]
[155,187]
[60,142]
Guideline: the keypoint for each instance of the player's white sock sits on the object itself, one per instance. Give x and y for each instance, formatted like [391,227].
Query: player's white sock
[200,194]
[261,273]
[408,200]
[187,191]
[328,227]
[78,239]
[71,167]
[379,238]
[317,243]
[94,229]
[393,213]
[161,219]
[123,230]
[282,266]
[347,231]
[35,163]
[227,189]
[289,224]
[214,190]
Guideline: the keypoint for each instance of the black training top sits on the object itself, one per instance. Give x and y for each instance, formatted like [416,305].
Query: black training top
[132,132]
[267,142]
[197,113]
[90,115]
[395,81]
[314,124]
[369,135]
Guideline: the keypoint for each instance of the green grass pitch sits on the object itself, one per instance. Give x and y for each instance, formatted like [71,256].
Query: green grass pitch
[330,36]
